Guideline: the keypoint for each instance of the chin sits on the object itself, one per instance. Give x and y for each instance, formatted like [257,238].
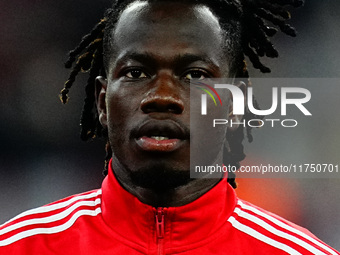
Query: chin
[160,177]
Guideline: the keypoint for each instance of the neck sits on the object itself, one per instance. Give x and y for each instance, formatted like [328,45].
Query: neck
[178,196]
[172,197]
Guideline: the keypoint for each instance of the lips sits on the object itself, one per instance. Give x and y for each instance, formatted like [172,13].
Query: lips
[161,136]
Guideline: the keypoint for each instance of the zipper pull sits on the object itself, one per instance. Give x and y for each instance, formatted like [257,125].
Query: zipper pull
[160,223]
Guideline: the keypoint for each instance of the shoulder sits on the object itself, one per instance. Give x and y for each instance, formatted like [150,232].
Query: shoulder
[276,232]
[50,219]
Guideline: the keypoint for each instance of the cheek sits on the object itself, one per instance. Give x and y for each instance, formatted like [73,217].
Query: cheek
[116,107]
[207,141]
[122,105]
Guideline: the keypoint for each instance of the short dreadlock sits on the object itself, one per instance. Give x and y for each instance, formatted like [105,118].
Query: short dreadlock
[249,35]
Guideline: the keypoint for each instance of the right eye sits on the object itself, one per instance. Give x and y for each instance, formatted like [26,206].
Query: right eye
[195,74]
[136,74]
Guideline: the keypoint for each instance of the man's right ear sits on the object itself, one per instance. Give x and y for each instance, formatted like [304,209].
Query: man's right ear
[100,93]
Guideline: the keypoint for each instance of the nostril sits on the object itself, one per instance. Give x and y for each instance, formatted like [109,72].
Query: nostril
[149,107]
[162,104]
[175,108]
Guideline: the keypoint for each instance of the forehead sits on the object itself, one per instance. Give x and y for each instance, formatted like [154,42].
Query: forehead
[167,25]
[165,12]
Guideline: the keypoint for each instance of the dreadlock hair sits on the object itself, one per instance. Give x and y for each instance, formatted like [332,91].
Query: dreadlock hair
[249,35]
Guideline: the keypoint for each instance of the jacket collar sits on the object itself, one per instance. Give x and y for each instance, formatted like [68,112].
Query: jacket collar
[188,224]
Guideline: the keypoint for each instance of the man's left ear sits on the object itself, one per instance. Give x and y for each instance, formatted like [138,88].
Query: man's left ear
[237,118]
[100,94]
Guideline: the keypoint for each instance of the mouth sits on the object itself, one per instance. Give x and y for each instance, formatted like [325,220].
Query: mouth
[161,136]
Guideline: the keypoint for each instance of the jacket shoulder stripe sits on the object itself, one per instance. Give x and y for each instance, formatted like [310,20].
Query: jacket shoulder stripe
[49,219]
[286,227]
[51,230]
[252,232]
[55,206]
[277,232]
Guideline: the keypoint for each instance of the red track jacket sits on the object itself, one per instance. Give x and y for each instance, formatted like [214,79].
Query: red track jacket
[112,221]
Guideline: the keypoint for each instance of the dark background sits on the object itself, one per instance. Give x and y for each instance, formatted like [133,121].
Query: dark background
[42,158]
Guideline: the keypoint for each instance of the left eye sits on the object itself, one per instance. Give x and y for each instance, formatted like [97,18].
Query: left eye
[195,74]
[136,74]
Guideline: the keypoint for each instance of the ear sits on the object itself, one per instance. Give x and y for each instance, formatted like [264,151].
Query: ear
[237,118]
[100,94]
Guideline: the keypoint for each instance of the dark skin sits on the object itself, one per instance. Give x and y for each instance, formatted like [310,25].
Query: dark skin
[145,100]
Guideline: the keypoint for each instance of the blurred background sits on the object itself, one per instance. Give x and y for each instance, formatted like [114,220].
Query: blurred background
[42,158]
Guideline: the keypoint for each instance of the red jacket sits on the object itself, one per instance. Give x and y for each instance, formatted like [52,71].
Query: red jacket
[112,221]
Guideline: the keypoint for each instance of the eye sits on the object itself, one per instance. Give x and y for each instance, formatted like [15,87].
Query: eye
[136,74]
[195,74]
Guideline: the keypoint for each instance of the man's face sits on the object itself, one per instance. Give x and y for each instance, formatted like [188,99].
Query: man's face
[156,50]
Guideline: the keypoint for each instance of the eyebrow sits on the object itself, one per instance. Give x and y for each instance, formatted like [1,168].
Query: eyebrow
[178,60]
[186,59]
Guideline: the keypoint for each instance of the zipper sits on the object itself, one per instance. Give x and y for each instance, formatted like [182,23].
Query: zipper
[160,229]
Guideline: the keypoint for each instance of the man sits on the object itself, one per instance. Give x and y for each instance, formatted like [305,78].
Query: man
[146,53]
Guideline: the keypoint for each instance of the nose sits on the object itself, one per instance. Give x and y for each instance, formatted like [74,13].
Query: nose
[164,96]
